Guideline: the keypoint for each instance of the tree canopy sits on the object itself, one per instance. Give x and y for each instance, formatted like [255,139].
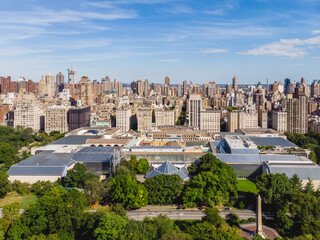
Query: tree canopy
[164,189]
[214,182]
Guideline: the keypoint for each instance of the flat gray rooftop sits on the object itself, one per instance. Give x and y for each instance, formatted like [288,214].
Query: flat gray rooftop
[74,140]
[272,141]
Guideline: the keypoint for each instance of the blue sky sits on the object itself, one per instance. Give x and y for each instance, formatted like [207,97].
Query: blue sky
[186,40]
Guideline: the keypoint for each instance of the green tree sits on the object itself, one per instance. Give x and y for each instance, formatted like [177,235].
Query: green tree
[127,191]
[176,236]
[214,183]
[21,188]
[110,227]
[275,190]
[296,183]
[212,216]
[308,188]
[10,213]
[142,166]
[7,153]
[94,190]
[58,211]
[40,187]
[123,170]
[77,176]
[282,223]
[233,219]
[164,189]
[4,184]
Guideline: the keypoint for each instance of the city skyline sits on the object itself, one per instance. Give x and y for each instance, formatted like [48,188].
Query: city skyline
[186,40]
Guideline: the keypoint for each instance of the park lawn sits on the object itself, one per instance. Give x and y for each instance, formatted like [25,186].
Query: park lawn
[12,197]
[244,185]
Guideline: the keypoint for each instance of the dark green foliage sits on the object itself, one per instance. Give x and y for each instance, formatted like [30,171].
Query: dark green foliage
[176,236]
[142,166]
[110,227]
[282,222]
[21,188]
[214,183]
[233,219]
[127,191]
[274,189]
[40,187]
[164,189]
[10,213]
[93,190]
[4,184]
[58,211]
[212,216]
[310,140]
[136,166]
[77,176]
[123,170]
[7,154]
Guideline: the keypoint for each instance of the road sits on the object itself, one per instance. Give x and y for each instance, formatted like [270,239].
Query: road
[189,214]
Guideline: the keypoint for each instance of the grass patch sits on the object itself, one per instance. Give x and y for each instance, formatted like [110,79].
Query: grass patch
[246,186]
[12,197]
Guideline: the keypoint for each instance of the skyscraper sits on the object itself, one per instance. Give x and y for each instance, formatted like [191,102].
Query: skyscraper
[297,114]
[140,87]
[59,81]
[72,76]
[234,83]
[185,87]
[167,81]
[146,88]
[195,108]
[86,93]
[47,86]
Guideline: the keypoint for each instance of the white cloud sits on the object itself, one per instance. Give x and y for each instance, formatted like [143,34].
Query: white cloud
[316,32]
[293,48]
[214,50]
[179,9]
[21,51]
[217,12]
[111,4]
[43,17]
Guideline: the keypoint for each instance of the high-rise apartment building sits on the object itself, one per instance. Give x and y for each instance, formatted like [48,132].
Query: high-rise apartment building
[185,87]
[248,118]
[210,121]
[78,117]
[195,107]
[5,84]
[123,115]
[21,84]
[28,115]
[167,81]
[279,121]
[47,86]
[164,117]
[72,76]
[146,88]
[263,118]
[235,83]
[297,114]
[179,90]
[59,81]
[315,89]
[56,118]
[140,87]
[144,118]
[233,123]
[86,91]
